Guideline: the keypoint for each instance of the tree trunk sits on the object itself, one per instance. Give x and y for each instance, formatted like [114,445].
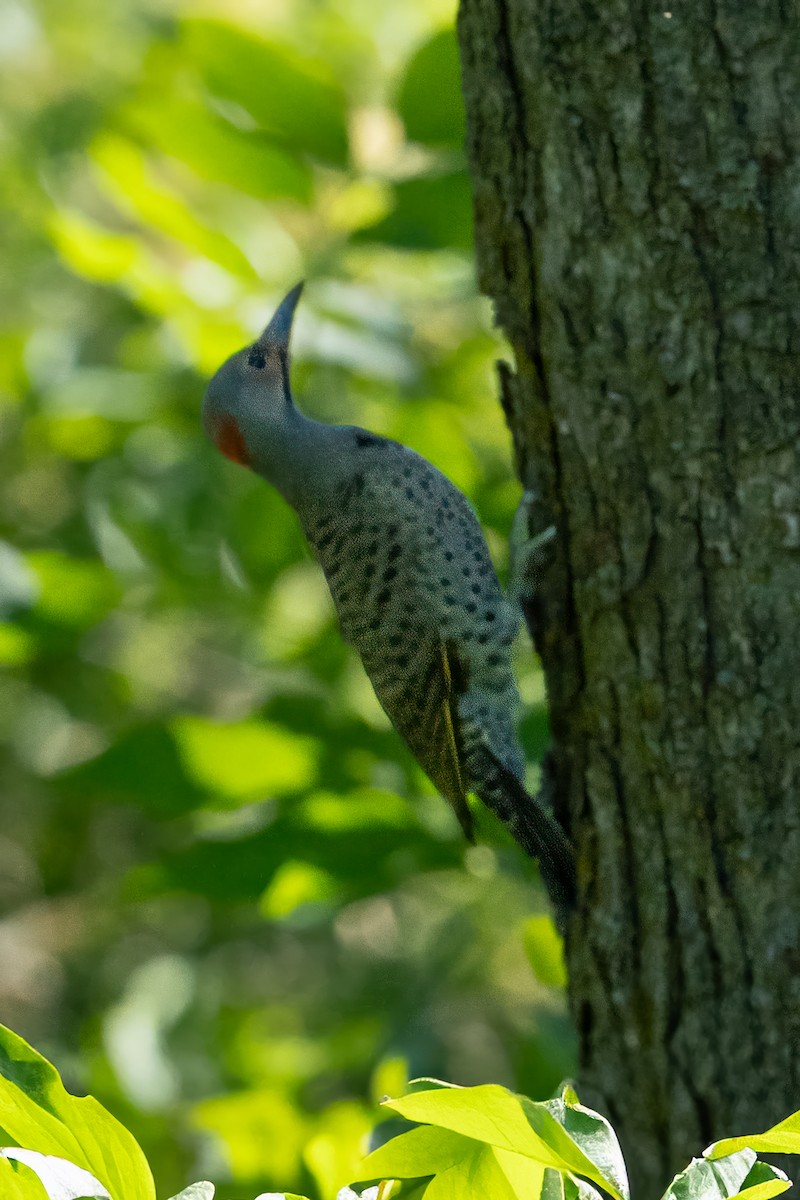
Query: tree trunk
[637,199]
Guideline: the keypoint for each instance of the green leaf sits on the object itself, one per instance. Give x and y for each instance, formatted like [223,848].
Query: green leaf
[291,98]
[420,1152]
[565,1187]
[783,1138]
[37,1113]
[20,1184]
[726,1177]
[240,761]
[764,1190]
[126,175]
[460,1166]
[57,1176]
[216,150]
[72,591]
[488,1113]
[430,212]
[545,950]
[196,1191]
[593,1136]
[493,1115]
[430,102]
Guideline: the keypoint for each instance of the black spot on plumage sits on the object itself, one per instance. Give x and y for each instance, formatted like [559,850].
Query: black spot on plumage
[402,661]
[396,639]
[410,493]
[257,358]
[383,596]
[389,574]
[353,489]
[477,556]
[471,606]
[459,669]
[393,530]
[444,581]
[466,571]
[475,588]
[495,660]
[325,540]
[407,472]
[366,439]
[395,550]
[369,571]
[449,599]
[483,639]
[371,550]
[448,555]
[483,572]
[490,615]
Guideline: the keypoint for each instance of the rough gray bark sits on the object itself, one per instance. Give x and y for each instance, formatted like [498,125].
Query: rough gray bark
[637,196]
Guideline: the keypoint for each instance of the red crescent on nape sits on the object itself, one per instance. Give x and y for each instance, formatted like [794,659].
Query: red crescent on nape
[230,442]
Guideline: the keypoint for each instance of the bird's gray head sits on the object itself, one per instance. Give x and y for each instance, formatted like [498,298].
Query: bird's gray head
[250,392]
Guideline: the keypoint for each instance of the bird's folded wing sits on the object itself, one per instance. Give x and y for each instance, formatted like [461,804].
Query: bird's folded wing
[424,711]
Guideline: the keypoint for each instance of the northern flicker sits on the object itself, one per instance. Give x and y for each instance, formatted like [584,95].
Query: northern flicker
[412,581]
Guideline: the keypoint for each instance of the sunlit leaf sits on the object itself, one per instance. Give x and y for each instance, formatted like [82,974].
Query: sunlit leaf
[22,1184]
[16,645]
[37,1113]
[246,759]
[61,1180]
[545,950]
[91,250]
[460,1166]
[498,1117]
[783,1138]
[261,1132]
[294,885]
[128,178]
[72,591]
[336,1148]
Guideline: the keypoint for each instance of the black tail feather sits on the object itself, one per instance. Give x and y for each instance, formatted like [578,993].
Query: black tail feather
[528,822]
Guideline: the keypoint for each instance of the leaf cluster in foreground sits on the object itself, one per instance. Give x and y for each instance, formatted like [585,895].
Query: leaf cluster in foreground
[480,1141]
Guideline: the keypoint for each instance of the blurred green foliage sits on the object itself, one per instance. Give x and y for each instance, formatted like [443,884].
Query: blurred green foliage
[232,907]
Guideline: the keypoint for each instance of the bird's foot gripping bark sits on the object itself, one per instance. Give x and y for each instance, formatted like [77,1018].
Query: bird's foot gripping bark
[528,552]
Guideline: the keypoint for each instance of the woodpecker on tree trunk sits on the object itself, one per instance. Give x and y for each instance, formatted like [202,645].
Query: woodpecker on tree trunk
[413,584]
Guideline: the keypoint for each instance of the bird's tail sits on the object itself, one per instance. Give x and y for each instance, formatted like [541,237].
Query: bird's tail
[528,822]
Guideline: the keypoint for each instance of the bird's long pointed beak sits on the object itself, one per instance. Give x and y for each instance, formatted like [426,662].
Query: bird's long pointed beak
[278,331]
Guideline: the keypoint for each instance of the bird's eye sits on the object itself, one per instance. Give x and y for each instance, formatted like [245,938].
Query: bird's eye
[256,358]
